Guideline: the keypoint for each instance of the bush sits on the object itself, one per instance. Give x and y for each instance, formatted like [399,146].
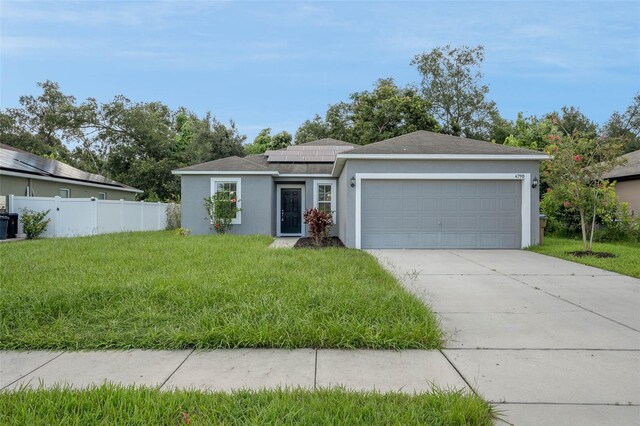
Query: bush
[613,220]
[183,232]
[174,216]
[320,223]
[34,223]
[221,209]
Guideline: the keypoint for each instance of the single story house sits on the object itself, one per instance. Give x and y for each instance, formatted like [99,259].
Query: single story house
[26,174]
[419,190]
[628,181]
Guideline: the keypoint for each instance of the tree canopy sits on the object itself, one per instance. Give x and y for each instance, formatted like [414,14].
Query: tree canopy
[451,82]
[371,116]
[135,143]
[266,141]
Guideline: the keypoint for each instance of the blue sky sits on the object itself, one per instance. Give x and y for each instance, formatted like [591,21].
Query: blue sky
[275,64]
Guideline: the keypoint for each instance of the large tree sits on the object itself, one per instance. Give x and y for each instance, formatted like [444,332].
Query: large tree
[42,123]
[266,141]
[137,144]
[370,116]
[452,82]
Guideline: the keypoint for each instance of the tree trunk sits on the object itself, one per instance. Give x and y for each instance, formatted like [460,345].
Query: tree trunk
[583,225]
[593,218]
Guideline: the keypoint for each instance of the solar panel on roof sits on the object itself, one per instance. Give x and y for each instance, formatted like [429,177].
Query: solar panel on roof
[306,154]
[31,163]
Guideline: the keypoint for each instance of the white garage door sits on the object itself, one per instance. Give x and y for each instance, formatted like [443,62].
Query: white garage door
[440,214]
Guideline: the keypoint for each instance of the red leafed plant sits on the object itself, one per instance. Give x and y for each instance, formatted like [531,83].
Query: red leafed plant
[320,223]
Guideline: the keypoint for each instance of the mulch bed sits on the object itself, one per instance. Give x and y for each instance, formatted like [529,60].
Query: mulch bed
[327,242]
[598,254]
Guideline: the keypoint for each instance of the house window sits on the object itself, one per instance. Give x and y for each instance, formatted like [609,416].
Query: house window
[102,195]
[232,187]
[324,196]
[65,193]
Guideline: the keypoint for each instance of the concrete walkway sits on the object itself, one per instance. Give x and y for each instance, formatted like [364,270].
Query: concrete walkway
[284,242]
[547,340]
[224,370]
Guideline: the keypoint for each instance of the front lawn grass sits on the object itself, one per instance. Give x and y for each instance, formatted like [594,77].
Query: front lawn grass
[145,406]
[627,260]
[158,290]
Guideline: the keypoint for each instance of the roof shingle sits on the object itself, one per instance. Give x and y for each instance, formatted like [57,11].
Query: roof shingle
[423,142]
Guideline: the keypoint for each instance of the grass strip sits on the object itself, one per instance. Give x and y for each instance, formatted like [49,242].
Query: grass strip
[109,404]
[626,262]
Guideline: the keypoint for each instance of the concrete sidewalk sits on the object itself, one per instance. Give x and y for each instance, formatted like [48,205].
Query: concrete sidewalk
[225,370]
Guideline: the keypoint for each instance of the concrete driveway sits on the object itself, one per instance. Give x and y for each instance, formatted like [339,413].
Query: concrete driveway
[547,340]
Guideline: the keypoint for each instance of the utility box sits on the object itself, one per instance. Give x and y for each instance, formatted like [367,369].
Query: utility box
[543,225]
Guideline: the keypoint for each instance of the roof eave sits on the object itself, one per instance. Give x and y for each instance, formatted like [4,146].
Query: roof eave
[518,157]
[223,172]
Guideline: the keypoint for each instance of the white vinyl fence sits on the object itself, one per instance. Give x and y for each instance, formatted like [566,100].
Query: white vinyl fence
[74,217]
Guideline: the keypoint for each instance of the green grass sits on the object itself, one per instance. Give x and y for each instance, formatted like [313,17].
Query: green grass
[144,406]
[627,260]
[159,290]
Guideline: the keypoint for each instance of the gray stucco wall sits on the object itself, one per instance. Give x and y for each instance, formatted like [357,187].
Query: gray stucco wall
[343,192]
[257,195]
[347,234]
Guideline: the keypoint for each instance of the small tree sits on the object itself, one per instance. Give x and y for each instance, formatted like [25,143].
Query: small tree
[320,223]
[576,176]
[34,223]
[221,209]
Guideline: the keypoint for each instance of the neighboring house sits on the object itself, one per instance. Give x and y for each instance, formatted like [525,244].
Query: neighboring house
[26,174]
[420,190]
[628,178]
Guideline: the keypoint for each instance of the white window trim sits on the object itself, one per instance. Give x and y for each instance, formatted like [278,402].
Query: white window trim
[525,178]
[105,195]
[279,212]
[68,192]
[238,182]
[334,196]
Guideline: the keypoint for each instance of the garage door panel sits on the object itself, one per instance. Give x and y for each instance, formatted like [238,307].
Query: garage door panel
[469,205]
[509,205]
[430,222]
[449,205]
[488,223]
[469,223]
[430,204]
[411,204]
[440,214]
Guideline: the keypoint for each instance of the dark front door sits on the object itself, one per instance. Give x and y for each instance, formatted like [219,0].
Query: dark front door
[291,211]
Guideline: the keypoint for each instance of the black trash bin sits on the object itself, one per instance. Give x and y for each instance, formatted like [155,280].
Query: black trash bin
[12,228]
[4,221]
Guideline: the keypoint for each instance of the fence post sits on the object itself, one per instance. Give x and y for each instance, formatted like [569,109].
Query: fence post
[94,215]
[10,206]
[56,210]
[159,209]
[121,215]
[142,215]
